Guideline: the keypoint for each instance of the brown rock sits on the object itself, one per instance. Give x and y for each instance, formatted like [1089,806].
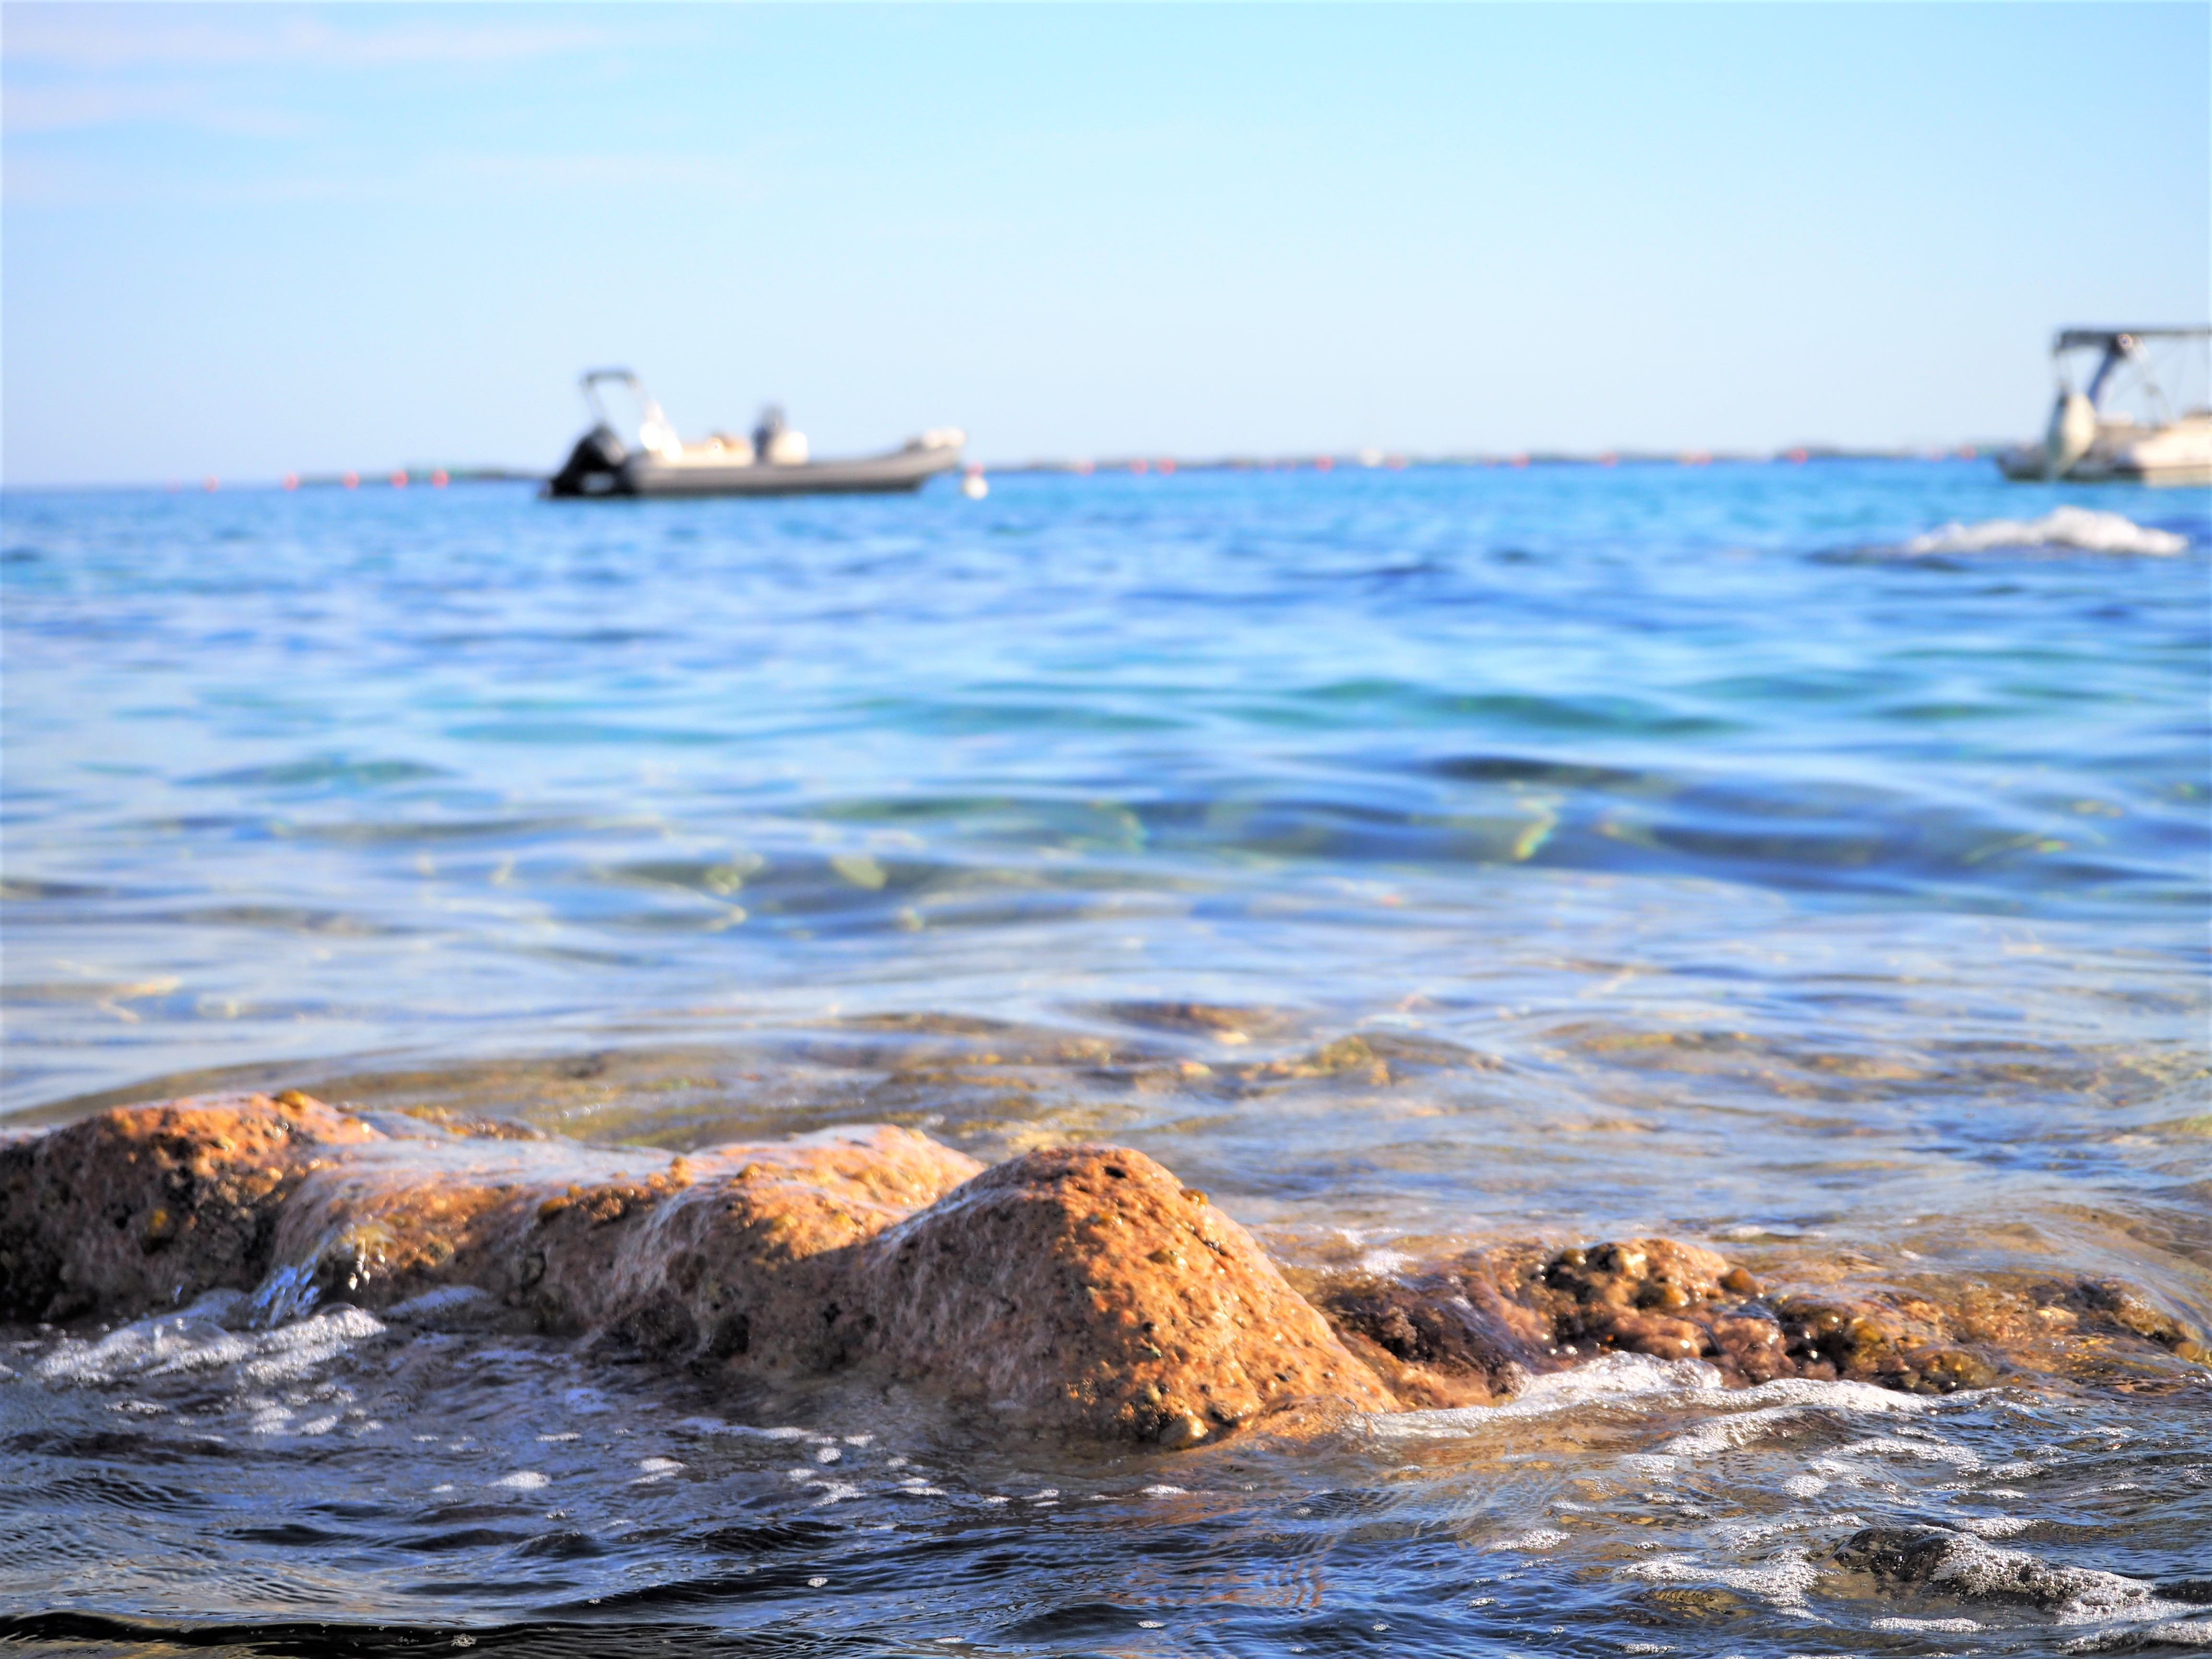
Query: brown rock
[1459,1332]
[1085,1287]
[1447,1336]
[1077,1288]
[148,1204]
[1080,1289]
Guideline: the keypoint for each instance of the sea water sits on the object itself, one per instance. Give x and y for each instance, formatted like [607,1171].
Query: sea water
[1810,860]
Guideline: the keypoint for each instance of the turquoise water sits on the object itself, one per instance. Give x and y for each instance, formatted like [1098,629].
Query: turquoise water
[1697,860]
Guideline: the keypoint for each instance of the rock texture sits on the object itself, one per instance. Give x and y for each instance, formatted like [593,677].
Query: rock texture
[1076,1290]
[1462,1332]
[1089,1285]
[119,1211]
[1080,1289]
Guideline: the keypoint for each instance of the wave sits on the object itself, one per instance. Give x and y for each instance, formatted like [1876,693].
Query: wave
[198,1340]
[1635,1382]
[2078,529]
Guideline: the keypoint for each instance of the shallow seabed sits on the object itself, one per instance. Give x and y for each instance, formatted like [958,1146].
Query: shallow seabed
[1410,860]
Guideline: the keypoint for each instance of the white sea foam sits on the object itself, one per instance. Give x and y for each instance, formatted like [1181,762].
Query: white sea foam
[1927,1451]
[1639,1382]
[1735,1534]
[1783,1407]
[174,1343]
[1543,1538]
[1783,1580]
[1996,1526]
[2078,529]
[1629,1378]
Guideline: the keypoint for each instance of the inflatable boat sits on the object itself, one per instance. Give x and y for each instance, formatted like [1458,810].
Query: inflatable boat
[772,461]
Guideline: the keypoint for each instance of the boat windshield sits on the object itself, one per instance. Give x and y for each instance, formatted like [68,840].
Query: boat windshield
[654,432]
[2146,376]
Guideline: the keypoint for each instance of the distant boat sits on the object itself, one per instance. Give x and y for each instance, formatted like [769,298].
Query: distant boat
[773,461]
[2088,442]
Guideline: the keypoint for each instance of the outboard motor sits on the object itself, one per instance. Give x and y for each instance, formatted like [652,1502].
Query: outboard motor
[593,466]
[2073,431]
[776,443]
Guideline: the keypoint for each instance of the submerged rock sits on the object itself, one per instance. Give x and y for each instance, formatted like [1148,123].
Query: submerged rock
[1463,1332]
[1080,1289]
[1956,1563]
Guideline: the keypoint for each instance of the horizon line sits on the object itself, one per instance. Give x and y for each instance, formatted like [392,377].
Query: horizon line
[1132,463]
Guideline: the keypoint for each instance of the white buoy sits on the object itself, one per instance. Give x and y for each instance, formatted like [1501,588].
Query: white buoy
[974,486]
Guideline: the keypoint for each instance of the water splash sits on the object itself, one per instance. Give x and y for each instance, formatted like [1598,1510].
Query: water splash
[2074,529]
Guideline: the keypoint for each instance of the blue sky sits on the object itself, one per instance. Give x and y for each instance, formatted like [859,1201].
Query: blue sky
[244,241]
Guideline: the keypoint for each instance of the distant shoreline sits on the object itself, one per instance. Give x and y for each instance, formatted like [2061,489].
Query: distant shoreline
[1378,460]
[1133,465]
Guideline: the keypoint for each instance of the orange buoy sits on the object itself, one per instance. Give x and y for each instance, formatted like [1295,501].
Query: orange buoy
[1167,467]
[291,481]
[438,479]
[351,480]
[1518,460]
[1140,464]
[1324,463]
[212,486]
[399,479]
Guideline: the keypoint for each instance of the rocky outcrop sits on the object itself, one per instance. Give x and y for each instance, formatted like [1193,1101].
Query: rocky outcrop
[1459,1333]
[1079,1290]
[122,1210]
[1463,1332]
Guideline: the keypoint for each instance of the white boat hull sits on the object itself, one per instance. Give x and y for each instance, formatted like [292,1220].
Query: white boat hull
[689,474]
[901,470]
[2178,454]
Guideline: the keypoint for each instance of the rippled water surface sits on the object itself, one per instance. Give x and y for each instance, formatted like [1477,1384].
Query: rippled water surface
[1410,859]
